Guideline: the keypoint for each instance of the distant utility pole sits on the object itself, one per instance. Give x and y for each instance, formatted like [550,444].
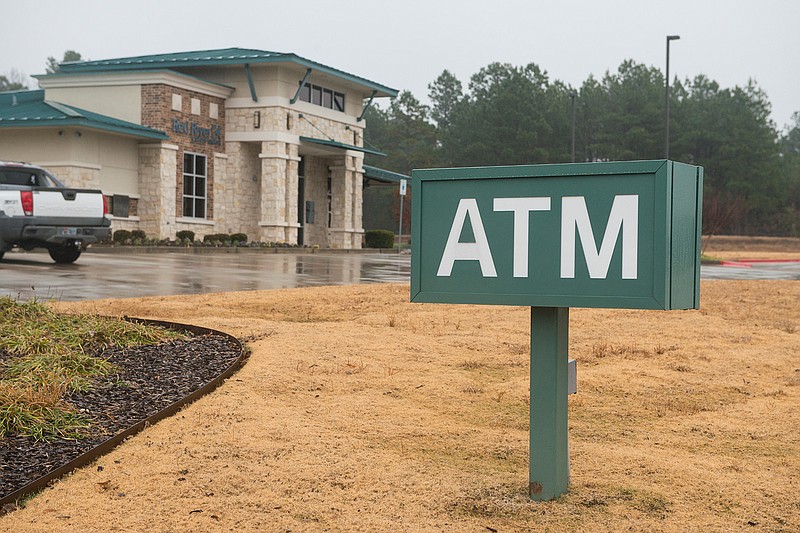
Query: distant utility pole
[572,95]
[666,100]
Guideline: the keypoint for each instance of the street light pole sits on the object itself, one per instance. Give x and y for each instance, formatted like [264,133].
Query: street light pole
[666,100]
[572,95]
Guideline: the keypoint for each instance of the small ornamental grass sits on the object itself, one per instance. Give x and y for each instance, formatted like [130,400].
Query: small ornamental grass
[45,356]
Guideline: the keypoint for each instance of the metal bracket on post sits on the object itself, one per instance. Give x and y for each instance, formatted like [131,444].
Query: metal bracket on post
[252,85]
[366,106]
[549,446]
[300,87]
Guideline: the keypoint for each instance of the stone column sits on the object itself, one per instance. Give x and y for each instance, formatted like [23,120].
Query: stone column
[346,202]
[272,225]
[158,188]
[358,202]
[243,190]
[222,191]
[278,192]
[292,160]
[341,205]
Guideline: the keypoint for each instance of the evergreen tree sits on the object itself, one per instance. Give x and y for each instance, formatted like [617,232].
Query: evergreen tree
[53,66]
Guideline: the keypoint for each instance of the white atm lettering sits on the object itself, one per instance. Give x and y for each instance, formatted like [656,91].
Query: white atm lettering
[624,217]
[467,251]
[521,207]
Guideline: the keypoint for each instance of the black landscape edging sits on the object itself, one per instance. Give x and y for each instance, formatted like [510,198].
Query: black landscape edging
[111,443]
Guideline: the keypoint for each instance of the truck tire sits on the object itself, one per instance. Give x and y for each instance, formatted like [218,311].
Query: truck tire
[65,255]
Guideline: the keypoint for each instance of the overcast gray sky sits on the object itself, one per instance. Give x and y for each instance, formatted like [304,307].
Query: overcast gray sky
[407,44]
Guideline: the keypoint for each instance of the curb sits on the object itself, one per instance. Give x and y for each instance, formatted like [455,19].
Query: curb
[105,249]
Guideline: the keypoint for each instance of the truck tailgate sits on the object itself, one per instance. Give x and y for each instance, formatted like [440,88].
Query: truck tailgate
[71,203]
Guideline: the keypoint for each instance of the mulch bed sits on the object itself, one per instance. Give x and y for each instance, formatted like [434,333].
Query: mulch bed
[150,378]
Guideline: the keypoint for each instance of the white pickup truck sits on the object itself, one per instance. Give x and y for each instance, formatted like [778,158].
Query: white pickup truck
[38,211]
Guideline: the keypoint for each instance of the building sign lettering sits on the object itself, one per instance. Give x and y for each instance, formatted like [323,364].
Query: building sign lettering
[199,134]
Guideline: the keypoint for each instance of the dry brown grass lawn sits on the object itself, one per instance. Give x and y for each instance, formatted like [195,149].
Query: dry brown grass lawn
[359,411]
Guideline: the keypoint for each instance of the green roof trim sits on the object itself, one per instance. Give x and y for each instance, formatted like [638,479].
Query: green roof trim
[205,58]
[385,176]
[30,109]
[62,74]
[343,146]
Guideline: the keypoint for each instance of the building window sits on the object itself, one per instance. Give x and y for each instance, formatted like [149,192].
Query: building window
[194,185]
[213,110]
[322,97]
[338,102]
[177,102]
[195,106]
[305,93]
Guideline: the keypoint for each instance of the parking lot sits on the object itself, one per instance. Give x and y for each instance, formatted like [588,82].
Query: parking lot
[104,275]
[101,275]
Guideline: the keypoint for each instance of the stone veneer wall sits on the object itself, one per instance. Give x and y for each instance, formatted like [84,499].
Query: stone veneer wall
[281,119]
[77,177]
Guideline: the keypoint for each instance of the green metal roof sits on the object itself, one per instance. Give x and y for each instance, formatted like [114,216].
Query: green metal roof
[336,144]
[205,58]
[30,109]
[385,176]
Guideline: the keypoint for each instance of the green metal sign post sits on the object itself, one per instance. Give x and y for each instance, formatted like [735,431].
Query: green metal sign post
[549,451]
[611,235]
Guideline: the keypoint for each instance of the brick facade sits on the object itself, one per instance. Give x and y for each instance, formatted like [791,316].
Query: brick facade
[196,133]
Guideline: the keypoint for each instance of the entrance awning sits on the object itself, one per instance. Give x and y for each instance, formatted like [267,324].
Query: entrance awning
[384,176]
[335,146]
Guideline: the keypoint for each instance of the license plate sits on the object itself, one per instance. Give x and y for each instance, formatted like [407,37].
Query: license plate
[68,232]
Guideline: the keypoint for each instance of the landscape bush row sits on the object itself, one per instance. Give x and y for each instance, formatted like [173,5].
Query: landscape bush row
[137,237]
[122,237]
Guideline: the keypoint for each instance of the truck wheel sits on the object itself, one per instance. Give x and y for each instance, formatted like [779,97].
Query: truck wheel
[65,255]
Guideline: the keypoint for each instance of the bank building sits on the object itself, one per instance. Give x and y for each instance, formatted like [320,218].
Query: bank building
[219,141]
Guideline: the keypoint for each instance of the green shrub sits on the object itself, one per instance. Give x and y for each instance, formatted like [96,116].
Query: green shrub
[121,236]
[379,238]
[216,237]
[138,235]
[185,235]
[239,238]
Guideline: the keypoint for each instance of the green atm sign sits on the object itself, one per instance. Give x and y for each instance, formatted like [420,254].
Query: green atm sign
[618,235]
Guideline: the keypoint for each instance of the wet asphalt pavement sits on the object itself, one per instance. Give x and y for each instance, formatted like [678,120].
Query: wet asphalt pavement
[124,275]
[104,275]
